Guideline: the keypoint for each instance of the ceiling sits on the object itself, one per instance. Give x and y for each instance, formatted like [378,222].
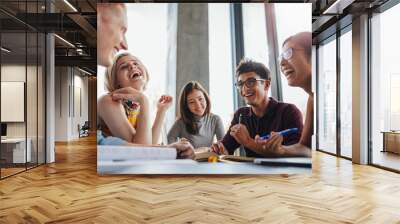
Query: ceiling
[331,15]
[76,25]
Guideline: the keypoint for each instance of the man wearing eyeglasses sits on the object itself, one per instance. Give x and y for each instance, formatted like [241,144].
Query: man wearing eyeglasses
[295,62]
[263,116]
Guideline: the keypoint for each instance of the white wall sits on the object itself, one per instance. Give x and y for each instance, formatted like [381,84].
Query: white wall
[69,85]
[79,117]
[17,73]
[33,127]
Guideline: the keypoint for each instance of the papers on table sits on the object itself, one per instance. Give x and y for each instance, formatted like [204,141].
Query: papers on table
[135,153]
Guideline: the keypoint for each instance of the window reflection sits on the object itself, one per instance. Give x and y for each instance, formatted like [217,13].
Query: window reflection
[254,32]
[346,94]
[327,97]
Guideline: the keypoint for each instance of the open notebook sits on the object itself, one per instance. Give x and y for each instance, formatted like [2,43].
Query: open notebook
[202,154]
[134,153]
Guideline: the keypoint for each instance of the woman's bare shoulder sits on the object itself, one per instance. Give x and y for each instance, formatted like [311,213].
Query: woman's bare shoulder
[106,105]
[106,100]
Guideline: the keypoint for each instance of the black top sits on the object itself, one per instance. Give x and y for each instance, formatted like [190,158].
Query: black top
[278,117]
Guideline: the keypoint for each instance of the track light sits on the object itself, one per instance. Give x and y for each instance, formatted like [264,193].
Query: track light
[65,41]
[70,5]
[5,50]
[338,6]
[84,71]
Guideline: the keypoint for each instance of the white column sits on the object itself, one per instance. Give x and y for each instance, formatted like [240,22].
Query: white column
[50,99]
[360,90]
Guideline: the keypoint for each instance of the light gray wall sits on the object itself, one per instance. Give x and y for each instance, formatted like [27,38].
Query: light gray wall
[69,82]
[192,45]
[61,103]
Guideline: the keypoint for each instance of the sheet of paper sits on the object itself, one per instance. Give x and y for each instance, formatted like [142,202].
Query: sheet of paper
[126,153]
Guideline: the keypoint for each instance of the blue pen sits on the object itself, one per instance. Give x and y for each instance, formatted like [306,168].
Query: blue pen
[284,133]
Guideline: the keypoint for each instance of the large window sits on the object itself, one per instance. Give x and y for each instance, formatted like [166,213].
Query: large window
[150,46]
[327,96]
[385,84]
[220,61]
[147,39]
[346,94]
[254,32]
[335,73]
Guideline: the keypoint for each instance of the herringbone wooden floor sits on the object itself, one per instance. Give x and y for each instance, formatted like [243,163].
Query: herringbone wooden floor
[70,191]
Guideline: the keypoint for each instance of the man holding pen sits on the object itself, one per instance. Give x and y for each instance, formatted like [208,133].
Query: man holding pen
[263,116]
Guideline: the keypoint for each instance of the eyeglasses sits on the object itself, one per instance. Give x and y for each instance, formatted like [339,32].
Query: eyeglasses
[288,54]
[249,83]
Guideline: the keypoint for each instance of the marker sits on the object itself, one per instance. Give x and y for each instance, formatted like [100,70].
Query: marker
[240,118]
[284,133]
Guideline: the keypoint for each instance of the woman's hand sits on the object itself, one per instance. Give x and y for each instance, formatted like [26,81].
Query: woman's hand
[164,103]
[184,149]
[128,93]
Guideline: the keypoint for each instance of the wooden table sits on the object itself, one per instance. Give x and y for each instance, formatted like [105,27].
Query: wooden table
[391,141]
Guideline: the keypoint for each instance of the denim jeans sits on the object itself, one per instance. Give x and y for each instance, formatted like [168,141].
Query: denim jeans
[110,140]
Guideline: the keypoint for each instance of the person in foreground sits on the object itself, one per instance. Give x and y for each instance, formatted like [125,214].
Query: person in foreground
[295,63]
[124,111]
[112,26]
[263,115]
[196,123]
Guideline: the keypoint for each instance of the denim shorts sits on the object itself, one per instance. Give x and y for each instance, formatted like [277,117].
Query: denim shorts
[110,140]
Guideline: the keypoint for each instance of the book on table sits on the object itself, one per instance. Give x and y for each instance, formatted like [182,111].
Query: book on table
[203,153]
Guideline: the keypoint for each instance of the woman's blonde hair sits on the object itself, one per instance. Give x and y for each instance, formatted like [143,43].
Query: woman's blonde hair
[111,74]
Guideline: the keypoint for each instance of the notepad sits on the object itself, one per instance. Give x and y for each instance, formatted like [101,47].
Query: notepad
[135,153]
